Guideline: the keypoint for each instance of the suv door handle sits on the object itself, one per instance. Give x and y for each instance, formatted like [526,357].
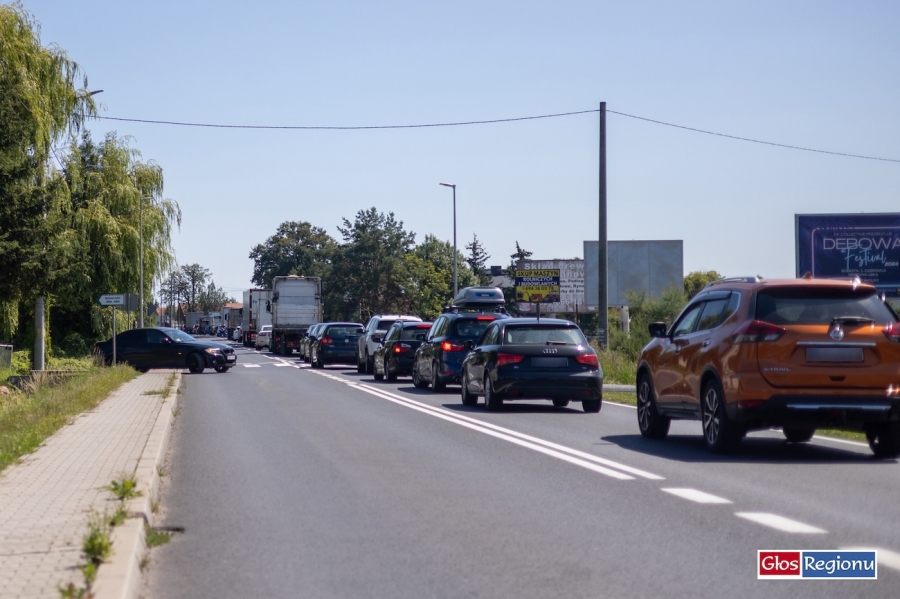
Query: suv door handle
[707,342]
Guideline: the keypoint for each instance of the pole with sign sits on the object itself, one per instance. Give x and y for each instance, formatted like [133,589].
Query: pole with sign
[112,300]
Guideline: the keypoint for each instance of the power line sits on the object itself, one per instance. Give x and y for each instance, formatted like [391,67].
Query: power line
[486,122]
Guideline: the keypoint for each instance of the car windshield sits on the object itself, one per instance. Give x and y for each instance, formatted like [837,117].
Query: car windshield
[812,305]
[179,336]
[469,328]
[542,334]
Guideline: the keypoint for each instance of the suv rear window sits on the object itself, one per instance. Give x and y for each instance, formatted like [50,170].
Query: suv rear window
[811,305]
[384,325]
[412,333]
[470,328]
[342,331]
[544,334]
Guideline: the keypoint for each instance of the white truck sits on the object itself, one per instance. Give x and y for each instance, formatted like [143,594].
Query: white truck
[232,318]
[255,314]
[296,305]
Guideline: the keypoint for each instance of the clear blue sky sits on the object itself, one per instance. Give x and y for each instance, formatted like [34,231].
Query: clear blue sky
[818,74]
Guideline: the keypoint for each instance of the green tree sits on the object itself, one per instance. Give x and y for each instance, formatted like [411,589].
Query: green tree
[297,248]
[213,298]
[695,281]
[39,104]
[477,261]
[643,311]
[509,293]
[190,285]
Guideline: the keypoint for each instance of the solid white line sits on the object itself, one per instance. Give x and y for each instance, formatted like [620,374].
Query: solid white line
[554,446]
[556,454]
[282,364]
[844,441]
[621,405]
[695,495]
[252,366]
[780,522]
[888,558]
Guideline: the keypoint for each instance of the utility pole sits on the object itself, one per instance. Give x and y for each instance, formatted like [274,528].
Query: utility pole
[602,259]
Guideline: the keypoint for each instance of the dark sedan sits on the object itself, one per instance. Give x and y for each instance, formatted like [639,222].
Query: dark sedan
[396,353]
[526,358]
[336,344]
[166,348]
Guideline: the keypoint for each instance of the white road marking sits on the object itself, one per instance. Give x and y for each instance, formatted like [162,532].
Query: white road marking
[888,558]
[844,441]
[698,496]
[252,365]
[780,522]
[493,430]
[621,405]
[282,364]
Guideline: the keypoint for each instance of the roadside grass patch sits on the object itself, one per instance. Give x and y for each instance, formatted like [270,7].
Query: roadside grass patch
[125,488]
[155,538]
[28,418]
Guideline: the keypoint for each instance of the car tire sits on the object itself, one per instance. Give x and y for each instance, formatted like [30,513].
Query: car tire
[222,369]
[196,363]
[418,383]
[378,376]
[560,403]
[360,365]
[318,363]
[720,434]
[467,398]
[388,375]
[492,401]
[370,363]
[591,406]
[884,439]
[650,423]
[798,434]
[436,385]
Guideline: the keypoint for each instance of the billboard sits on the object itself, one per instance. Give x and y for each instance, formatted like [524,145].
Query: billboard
[850,245]
[537,285]
[640,266]
[571,285]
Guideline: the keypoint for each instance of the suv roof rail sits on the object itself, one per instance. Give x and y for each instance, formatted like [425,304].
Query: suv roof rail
[753,279]
[451,309]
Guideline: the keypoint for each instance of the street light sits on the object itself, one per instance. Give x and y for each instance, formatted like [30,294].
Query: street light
[453,185]
[141,318]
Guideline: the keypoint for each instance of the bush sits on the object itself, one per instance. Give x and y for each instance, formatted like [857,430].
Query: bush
[76,345]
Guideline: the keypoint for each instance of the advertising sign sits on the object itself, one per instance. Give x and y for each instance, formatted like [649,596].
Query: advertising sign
[571,286]
[537,285]
[637,266]
[850,245]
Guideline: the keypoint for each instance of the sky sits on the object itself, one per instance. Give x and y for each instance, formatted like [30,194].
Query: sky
[816,74]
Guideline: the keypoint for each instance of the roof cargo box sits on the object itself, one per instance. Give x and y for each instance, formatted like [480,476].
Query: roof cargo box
[480,298]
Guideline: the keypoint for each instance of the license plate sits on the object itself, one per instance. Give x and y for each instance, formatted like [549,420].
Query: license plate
[834,354]
[230,358]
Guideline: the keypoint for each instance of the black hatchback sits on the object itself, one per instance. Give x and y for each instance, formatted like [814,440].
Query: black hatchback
[396,352]
[162,347]
[335,344]
[527,358]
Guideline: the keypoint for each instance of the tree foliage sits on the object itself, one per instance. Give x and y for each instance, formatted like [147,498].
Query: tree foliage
[297,248]
[477,261]
[695,281]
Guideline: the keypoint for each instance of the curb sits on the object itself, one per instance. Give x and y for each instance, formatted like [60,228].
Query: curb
[120,577]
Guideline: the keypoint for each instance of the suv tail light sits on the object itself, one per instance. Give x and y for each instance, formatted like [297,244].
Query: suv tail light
[588,360]
[447,346]
[507,359]
[327,341]
[399,349]
[757,330]
[892,332]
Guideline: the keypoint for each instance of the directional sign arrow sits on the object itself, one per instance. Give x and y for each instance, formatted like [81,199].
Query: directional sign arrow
[112,299]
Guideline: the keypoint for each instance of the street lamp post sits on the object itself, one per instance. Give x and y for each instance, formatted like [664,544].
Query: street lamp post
[141,225]
[453,185]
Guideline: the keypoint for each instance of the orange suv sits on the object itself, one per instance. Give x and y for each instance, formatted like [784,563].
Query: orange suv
[799,354]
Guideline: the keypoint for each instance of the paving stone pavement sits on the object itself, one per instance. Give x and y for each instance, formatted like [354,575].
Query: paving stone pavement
[47,499]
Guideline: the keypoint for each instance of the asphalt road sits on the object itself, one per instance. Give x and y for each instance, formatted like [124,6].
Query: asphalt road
[295,482]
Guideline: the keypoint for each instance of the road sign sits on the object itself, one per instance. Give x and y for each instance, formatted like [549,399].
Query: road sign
[112,299]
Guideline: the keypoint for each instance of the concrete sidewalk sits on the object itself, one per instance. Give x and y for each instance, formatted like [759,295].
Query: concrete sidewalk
[47,499]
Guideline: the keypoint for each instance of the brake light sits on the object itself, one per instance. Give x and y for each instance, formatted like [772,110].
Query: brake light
[757,330]
[447,346]
[423,326]
[399,349]
[327,341]
[892,332]
[484,318]
[588,360]
[507,359]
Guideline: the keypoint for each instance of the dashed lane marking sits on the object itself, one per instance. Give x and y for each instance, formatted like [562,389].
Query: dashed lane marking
[252,365]
[780,523]
[695,495]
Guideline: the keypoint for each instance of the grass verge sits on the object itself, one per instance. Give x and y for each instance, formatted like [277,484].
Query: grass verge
[28,418]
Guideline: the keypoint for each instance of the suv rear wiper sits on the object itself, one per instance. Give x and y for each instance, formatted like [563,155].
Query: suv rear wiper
[852,320]
[556,343]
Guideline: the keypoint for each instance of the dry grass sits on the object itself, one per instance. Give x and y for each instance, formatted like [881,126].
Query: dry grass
[29,417]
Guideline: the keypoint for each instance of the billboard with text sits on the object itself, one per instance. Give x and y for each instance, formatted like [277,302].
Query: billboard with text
[850,245]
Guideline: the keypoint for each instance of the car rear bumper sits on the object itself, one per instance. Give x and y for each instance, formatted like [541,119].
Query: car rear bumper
[337,356]
[847,412]
[574,387]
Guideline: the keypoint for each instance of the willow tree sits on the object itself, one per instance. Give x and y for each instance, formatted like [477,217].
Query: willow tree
[43,98]
[112,193]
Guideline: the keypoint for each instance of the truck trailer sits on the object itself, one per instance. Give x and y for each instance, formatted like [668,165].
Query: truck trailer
[255,314]
[295,305]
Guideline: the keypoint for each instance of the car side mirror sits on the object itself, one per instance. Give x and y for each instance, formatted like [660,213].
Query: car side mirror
[657,329]
[360,331]
[469,344]
[376,338]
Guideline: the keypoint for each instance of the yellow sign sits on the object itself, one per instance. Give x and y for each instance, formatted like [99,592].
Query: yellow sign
[537,285]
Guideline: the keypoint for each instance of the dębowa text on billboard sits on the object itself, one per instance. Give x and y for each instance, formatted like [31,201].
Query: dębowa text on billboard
[850,245]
